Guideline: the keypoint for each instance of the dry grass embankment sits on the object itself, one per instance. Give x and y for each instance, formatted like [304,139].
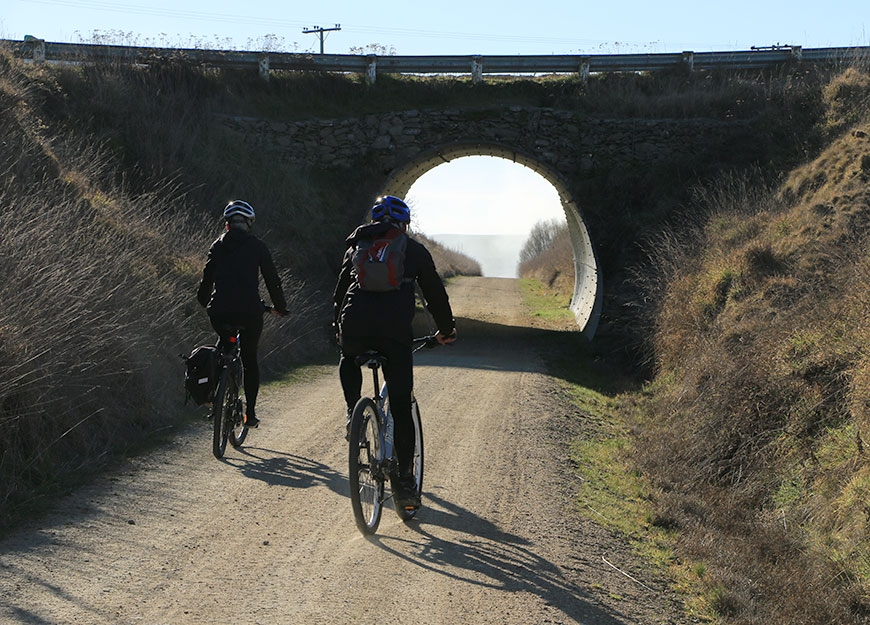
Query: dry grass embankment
[553,264]
[449,262]
[91,297]
[753,430]
[97,294]
[751,440]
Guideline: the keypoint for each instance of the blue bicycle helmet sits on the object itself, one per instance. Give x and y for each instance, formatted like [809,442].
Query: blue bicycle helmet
[391,207]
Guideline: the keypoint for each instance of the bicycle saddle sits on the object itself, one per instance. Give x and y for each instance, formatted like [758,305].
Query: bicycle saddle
[371,358]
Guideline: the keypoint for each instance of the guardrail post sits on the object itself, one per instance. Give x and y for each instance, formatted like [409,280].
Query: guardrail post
[797,53]
[689,60]
[476,69]
[371,69]
[584,69]
[263,63]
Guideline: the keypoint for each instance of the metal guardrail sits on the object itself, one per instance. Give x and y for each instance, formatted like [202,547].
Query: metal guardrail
[476,65]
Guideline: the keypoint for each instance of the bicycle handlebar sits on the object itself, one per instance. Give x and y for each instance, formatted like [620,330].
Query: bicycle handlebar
[429,342]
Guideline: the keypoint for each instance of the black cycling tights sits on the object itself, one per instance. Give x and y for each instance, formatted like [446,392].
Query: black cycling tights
[249,338]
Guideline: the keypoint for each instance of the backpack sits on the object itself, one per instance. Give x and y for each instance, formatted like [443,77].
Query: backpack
[200,373]
[379,263]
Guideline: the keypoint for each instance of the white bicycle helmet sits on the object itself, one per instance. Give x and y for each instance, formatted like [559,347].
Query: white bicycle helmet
[239,207]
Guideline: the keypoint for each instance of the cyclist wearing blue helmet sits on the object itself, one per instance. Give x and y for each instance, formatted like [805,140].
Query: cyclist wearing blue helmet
[382,319]
[230,291]
[392,208]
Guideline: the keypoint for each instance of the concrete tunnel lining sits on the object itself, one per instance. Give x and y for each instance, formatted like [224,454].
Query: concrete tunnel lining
[587,298]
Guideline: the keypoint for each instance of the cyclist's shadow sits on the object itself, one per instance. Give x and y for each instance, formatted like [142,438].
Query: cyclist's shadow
[278,468]
[484,555]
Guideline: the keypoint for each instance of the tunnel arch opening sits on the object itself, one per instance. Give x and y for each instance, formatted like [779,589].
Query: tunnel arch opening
[587,297]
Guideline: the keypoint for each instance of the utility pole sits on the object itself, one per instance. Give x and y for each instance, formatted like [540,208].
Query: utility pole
[320,31]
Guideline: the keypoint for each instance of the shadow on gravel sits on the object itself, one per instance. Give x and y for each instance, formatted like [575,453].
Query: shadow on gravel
[484,555]
[278,468]
[567,355]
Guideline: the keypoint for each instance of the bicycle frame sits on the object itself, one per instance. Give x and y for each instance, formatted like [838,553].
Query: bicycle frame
[385,417]
[372,455]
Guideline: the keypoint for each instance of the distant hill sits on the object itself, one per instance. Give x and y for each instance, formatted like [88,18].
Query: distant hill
[498,254]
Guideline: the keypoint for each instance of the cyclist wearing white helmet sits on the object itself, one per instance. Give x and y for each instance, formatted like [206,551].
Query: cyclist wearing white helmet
[230,291]
[382,320]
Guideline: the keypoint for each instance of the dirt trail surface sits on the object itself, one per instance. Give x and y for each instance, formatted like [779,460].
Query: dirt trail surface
[267,536]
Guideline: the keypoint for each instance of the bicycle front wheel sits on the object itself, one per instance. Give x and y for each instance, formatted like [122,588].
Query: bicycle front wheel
[366,466]
[406,514]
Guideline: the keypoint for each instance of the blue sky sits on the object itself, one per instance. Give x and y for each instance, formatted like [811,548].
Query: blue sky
[501,192]
[450,26]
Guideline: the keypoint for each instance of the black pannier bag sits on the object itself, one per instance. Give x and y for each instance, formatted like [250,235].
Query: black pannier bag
[200,373]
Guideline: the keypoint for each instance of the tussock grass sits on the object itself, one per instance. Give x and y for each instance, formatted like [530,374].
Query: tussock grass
[754,425]
[98,294]
[91,316]
[742,464]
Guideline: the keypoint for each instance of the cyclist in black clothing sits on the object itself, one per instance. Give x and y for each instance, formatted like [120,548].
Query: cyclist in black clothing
[383,321]
[230,291]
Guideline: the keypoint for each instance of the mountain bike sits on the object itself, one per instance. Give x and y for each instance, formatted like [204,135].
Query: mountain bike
[228,410]
[371,455]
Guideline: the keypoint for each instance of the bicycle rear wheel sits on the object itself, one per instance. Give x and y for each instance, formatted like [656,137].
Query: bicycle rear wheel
[225,401]
[217,416]
[237,430]
[366,466]
[406,514]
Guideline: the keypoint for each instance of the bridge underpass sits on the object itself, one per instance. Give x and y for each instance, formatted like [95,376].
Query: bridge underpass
[582,157]
[587,296]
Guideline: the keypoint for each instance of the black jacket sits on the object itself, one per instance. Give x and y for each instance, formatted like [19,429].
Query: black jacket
[230,283]
[365,314]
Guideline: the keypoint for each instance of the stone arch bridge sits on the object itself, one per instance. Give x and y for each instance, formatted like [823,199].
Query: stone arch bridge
[565,147]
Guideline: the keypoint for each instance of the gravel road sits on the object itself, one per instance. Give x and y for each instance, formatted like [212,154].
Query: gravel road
[267,536]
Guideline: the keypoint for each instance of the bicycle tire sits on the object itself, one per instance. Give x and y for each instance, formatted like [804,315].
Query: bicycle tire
[365,461]
[407,514]
[237,431]
[219,439]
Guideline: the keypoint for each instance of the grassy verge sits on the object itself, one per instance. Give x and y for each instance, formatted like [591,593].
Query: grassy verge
[545,303]
[613,492]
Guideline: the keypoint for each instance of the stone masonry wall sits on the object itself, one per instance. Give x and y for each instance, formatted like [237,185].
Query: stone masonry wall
[565,140]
